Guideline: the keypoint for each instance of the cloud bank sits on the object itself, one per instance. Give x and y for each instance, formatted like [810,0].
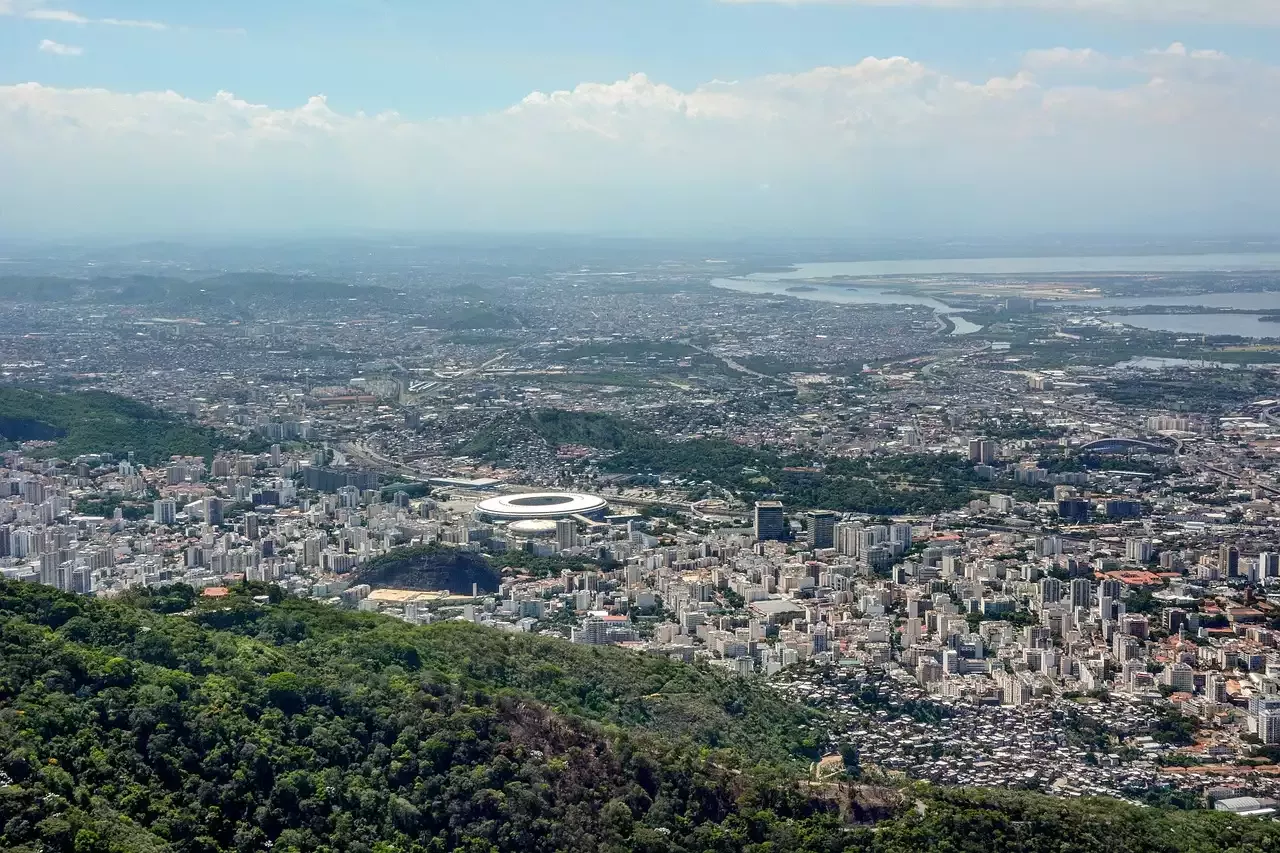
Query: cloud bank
[1178,137]
[1266,12]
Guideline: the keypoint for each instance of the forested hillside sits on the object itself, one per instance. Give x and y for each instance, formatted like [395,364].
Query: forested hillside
[163,722]
[432,566]
[97,422]
[921,483]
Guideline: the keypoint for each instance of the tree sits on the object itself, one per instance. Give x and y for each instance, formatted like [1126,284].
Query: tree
[852,760]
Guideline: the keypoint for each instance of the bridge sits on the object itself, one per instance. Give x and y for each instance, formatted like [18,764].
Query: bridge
[1125,445]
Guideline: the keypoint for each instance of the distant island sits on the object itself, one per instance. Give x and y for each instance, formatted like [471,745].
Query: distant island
[801,288]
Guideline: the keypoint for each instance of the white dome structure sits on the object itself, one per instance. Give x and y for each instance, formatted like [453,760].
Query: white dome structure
[533,528]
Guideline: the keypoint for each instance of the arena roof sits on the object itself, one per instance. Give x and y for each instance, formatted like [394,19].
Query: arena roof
[541,505]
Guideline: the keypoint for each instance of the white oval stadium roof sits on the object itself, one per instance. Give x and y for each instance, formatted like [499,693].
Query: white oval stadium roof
[540,505]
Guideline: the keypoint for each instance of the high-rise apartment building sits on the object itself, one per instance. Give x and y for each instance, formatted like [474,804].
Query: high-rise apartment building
[213,511]
[1139,550]
[164,511]
[1229,560]
[846,538]
[1050,590]
[566,534]
[982,451]
[1081,593]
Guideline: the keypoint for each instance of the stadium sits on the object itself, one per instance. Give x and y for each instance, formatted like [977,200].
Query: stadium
[541,505]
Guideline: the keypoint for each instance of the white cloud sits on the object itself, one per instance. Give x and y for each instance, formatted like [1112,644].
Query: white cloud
[1180,138]
[50,46]
[128,22]
[60,15]
[1224,11]
[33,10]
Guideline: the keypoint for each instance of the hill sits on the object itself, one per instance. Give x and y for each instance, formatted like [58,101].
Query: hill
[921,483]
[164,722]
[97,422]
[432,566]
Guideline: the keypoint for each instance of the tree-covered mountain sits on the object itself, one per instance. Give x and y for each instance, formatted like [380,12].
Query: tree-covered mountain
[167,722]
[84,422]
[433,567]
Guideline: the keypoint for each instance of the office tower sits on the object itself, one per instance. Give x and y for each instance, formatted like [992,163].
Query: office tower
[1074,510]
[982,451]
[251,525]
[213,511]
[1081,593]
[770,520]
[822,529]
[1050,590]
[1111,588]
[164,511]
[1229,560]
[1122,509]
[566,534]
[901,533]
[6,544]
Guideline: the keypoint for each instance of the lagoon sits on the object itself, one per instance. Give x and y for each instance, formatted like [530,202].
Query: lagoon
[1242,325]
[1251,261]
[845,296]
[1245,301]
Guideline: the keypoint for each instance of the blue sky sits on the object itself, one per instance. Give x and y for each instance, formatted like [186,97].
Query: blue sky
[455,58]
[1103,106]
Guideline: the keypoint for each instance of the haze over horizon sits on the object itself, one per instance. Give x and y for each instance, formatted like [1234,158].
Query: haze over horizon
[885,117]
